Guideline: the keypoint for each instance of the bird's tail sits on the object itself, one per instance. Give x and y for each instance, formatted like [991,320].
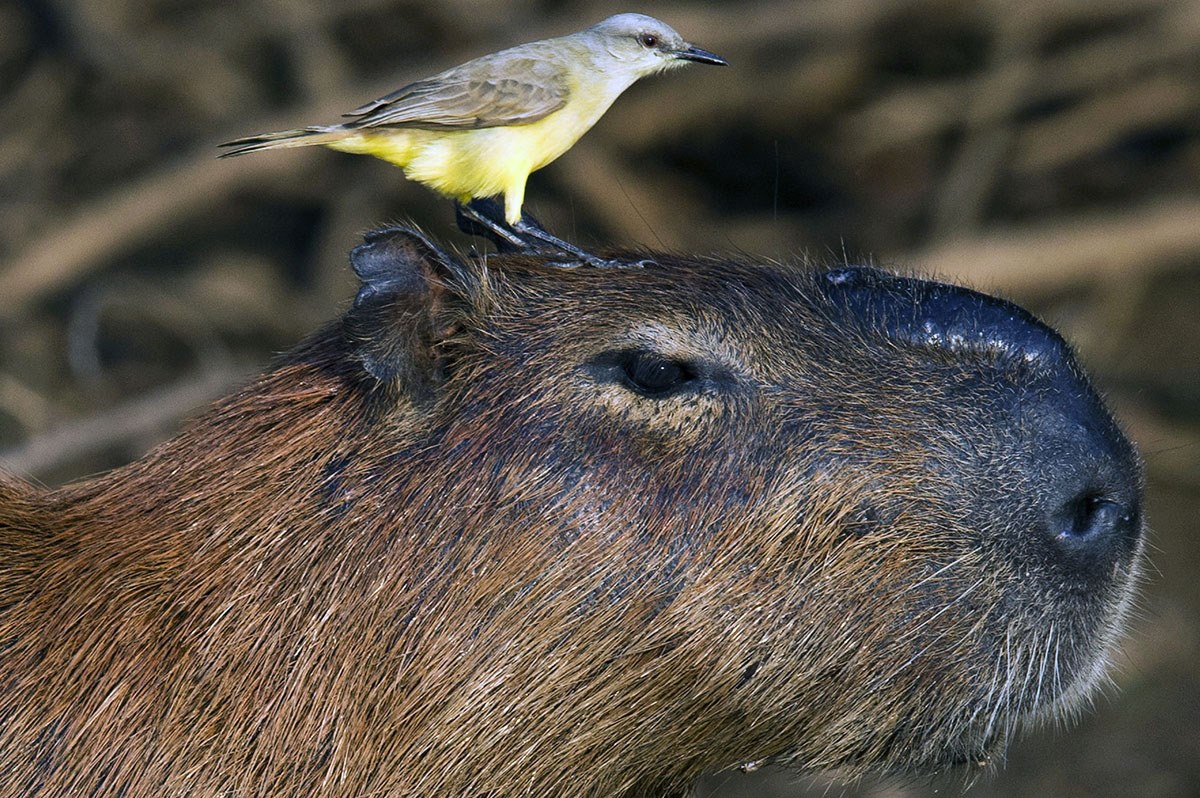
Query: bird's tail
[303,137]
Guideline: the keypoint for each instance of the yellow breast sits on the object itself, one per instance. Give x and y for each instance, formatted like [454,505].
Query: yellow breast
[483,162]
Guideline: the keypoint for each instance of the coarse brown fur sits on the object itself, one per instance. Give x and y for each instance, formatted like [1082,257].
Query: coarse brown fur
[441,550]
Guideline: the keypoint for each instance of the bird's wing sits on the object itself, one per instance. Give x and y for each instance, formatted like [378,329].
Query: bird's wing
[493,91]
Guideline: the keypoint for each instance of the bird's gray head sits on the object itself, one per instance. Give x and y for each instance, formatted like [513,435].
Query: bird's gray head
[646,45]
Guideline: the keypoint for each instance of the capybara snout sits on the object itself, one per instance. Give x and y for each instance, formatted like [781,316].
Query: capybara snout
[1079,471]
[513,529]
[1048,487]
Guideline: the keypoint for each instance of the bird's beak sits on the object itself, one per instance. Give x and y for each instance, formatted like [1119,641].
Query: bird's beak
[699,56]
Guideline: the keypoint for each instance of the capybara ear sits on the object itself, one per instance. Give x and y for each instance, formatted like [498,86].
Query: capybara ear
[400,312]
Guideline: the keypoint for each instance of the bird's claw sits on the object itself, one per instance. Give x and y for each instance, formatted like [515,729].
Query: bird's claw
[484,217]
[599,263]
[612,263]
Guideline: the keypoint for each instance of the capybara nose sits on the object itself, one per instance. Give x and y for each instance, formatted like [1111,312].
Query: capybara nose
[1086,477]
[1068,471]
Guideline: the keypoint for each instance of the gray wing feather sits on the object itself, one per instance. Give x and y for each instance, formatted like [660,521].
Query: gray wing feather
[502,89]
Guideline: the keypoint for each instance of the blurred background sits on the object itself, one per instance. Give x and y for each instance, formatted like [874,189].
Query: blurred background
[1045,150]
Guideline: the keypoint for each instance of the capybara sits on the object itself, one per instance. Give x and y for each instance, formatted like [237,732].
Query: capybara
[512,529]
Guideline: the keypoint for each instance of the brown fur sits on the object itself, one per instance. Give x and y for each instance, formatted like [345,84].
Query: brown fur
[428,555]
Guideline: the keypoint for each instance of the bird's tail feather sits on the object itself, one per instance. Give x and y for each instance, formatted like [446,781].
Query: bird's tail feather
[302,137]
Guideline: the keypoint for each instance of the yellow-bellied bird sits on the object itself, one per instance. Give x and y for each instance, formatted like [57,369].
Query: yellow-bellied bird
[478,130]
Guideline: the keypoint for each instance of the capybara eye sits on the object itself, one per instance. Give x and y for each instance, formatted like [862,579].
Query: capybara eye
[647,373]
[652,375]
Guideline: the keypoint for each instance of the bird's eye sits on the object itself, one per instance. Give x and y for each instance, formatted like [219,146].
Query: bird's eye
[654,376]
[647,39]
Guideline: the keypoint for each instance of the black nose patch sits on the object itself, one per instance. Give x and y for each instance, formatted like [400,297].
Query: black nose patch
[938,315]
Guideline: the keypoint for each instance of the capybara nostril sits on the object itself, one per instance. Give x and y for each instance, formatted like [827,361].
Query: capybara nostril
[1090,518]
[1094,525]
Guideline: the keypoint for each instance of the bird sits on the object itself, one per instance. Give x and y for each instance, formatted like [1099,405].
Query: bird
[478,130]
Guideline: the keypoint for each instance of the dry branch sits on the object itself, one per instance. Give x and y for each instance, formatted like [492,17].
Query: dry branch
[114,224]
[131,421]
[1077,250]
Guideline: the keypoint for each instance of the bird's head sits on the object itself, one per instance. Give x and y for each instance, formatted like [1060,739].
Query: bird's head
[644,45]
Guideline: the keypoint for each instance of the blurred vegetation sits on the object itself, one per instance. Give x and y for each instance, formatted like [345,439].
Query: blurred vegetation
[1048,150]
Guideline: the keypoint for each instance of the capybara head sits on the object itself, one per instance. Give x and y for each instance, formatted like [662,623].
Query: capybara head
[508,528]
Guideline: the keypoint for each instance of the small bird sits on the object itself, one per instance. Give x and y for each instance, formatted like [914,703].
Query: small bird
[478,130]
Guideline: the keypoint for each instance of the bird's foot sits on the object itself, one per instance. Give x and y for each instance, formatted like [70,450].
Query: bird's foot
[532,229]
[485,217]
